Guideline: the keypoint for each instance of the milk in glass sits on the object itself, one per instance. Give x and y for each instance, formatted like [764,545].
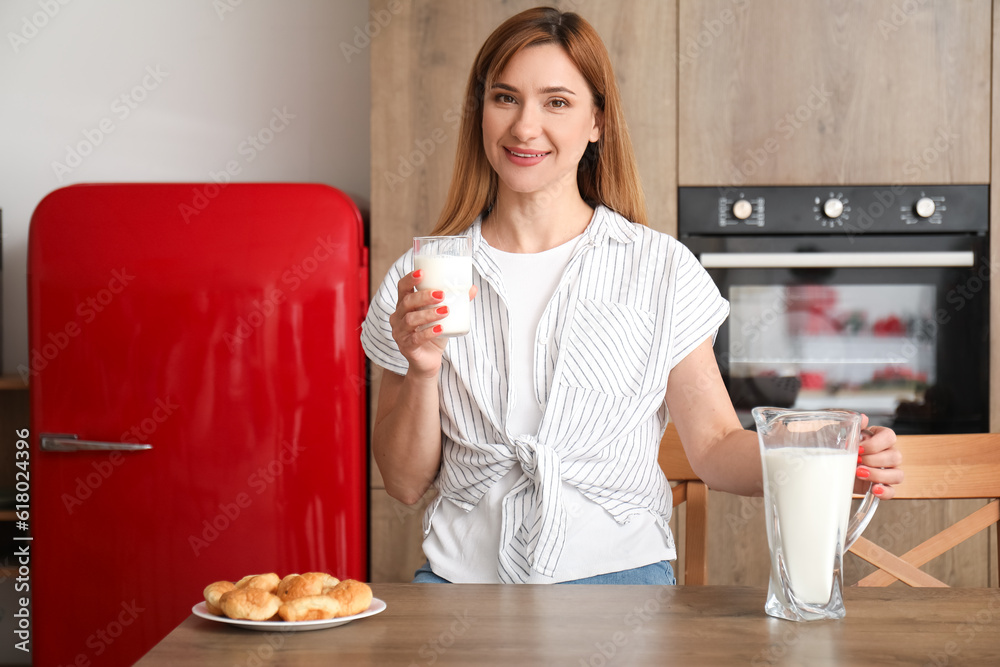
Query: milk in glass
[453,275]
[810,499]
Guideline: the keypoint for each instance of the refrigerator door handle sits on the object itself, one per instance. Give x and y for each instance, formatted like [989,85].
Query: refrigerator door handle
[68,442]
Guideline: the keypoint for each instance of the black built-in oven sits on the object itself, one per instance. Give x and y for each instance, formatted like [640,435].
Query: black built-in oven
[867,298]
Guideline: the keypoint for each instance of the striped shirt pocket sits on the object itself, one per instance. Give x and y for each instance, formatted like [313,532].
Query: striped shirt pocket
[609,348]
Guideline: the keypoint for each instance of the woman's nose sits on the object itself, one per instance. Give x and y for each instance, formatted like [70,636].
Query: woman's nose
[527,126]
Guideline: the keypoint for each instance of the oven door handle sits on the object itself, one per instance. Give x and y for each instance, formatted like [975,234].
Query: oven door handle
[836,260]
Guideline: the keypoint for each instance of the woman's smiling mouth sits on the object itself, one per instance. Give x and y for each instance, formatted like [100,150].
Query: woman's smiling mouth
[524,158]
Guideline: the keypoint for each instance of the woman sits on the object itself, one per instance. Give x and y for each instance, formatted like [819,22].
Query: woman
[540,428]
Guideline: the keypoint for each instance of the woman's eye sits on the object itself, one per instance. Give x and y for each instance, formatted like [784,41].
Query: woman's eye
[504,98]
[559,104]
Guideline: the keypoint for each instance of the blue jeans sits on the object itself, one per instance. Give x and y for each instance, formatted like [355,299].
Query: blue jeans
[661,573]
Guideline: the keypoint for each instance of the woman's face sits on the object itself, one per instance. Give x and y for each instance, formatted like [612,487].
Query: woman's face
[538,119]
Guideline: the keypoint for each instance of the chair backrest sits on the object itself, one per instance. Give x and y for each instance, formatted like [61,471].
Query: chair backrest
[939,467]
[691,489]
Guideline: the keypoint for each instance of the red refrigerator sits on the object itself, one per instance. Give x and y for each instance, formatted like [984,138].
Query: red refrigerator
[197,402]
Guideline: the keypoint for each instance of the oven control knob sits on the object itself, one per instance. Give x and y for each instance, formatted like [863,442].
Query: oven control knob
[925,207]
[833,208]
[742,209]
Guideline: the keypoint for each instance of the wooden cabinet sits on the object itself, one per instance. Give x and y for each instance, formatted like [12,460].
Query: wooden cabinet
[775,92]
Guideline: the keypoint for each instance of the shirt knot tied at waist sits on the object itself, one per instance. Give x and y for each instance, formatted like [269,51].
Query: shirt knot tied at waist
[534,517]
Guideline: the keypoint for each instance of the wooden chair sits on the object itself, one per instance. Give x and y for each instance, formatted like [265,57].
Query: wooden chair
[689,488]
[939,467]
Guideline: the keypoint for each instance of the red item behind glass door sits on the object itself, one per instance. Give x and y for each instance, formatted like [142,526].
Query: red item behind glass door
[219,325]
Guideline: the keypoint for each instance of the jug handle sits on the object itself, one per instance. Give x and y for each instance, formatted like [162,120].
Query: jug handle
[861,518]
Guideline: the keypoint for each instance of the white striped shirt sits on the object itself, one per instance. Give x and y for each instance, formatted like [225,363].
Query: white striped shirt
[631,304]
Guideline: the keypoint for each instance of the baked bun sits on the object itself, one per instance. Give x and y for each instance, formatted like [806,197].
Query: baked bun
[302,585]
[215,591]
[309,608]
[354,596]
[265,582]
[322,578]
[249,604]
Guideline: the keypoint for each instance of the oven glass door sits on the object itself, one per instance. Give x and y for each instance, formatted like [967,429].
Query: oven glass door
[907,345]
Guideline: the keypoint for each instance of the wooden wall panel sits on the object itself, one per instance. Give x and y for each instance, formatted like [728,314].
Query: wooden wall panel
[737,540]
[420,62]
[774,92]
[396,535]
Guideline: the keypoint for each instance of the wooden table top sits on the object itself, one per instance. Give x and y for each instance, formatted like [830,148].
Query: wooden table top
[437,624]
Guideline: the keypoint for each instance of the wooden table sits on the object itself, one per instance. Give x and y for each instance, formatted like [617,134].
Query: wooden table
[596,626]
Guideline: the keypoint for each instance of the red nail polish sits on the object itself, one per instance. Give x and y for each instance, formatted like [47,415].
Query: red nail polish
[861,450]
[418,273]
[863,473]
[859,458]
[443,310]
[438,329]
[438,294]
[877,490]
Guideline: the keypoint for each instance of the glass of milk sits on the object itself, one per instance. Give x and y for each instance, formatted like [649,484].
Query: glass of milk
[809,460]
[446,262]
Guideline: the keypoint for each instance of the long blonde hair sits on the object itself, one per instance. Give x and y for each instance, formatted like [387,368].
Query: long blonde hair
[607,174]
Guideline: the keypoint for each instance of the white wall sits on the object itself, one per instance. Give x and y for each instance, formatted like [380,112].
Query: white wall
[198,76]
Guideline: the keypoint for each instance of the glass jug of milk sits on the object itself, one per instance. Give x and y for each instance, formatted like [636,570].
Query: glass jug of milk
[809,459]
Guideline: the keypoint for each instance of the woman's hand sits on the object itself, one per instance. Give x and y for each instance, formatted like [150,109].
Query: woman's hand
[879,461]
[413,328]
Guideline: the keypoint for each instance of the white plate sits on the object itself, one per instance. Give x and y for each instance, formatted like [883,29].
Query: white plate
[201,610]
